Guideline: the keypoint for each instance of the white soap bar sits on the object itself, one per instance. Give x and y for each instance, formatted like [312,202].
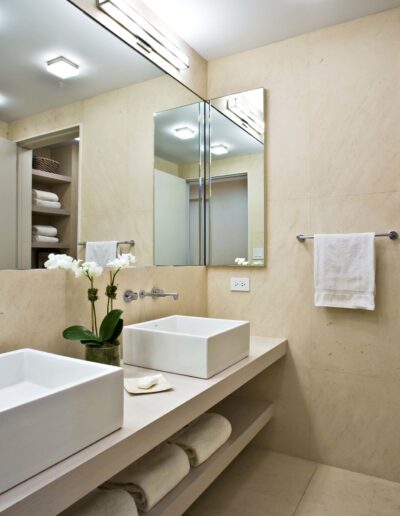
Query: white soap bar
[145,382]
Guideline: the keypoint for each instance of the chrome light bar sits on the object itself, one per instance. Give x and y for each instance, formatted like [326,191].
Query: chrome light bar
[148,37]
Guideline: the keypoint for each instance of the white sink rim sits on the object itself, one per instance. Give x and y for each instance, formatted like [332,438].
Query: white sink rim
[103,370]
[145,326]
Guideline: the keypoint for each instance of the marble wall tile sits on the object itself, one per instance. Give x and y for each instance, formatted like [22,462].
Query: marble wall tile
[354,422]
[333,165]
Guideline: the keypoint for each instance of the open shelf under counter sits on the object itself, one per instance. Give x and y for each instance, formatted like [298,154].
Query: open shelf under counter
[58,212]
[148,421]
[49,178]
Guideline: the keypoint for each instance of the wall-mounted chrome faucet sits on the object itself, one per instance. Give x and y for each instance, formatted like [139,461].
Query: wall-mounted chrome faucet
[130,295]
[158,292]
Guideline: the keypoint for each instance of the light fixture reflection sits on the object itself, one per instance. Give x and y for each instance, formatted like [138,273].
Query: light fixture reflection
[219,149]
[184,133]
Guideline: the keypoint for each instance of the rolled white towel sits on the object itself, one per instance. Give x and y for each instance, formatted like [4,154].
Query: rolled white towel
[153,476]
[44,196]
[42,238]
[46,204]
[101,502]
[203,437]
[49,231]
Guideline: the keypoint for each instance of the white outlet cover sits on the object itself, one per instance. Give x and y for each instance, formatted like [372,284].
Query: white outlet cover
[240,284]
[258,253]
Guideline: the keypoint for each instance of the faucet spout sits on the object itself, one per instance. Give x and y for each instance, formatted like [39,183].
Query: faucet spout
[158,292]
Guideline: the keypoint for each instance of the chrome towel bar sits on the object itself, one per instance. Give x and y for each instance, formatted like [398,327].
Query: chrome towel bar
[393,235]
[128,242]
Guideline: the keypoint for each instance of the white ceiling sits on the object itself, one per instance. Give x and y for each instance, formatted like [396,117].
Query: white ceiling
[35,31]
[217,28]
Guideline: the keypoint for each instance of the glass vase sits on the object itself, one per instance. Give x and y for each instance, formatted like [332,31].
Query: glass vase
[107,354]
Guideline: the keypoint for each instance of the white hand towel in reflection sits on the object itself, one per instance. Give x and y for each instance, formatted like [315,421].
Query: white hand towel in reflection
[203,437]
[42,238]
[43,230]
[101,502]
[153,476]
[344,270]
[101,252]
[44,196]
[39,203]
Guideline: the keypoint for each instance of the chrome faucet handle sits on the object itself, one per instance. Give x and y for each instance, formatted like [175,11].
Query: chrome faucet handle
[130,295]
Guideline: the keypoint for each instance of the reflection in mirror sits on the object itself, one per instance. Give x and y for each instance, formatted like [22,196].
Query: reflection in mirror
[177,185]
[235,204]
[104,180]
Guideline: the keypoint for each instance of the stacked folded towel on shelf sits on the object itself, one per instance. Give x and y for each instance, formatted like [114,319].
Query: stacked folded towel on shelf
[43,199]
[115,502]
[153,476]
[203,437]
[42,233]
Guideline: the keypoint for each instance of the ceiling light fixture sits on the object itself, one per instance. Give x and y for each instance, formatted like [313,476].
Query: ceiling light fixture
[246,115]
[62,67]
[184,133]
[219,149]
[149,39]
[77,139]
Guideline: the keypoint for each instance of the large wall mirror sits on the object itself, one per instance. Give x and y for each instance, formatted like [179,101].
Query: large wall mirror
[99,144]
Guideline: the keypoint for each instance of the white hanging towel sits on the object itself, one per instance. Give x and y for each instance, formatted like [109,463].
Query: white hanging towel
[344,270]
[101,252]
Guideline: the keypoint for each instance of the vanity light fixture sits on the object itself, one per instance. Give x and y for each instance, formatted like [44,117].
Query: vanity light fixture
[219,149]
[246,115]
[150,40]
[184,133]
[62,67]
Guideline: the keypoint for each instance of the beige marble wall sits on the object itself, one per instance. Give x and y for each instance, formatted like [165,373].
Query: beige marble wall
[3,129]
[333,165]
[35,306]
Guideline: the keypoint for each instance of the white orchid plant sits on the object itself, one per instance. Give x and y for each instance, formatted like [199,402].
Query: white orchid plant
[112,324]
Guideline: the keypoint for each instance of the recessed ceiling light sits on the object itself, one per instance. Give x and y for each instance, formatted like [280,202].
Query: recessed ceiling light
[219,149]
[62,67]
[184,133]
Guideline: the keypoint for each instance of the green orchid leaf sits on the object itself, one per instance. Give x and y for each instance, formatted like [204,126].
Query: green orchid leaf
[117,331]
[109,324]
[80,333]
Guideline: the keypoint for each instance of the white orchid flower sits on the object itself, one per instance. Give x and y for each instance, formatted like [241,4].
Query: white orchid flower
[89,269]
[59,261]
[123,261]
[241,261]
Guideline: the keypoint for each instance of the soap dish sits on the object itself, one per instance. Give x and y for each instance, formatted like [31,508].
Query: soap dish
[131,386]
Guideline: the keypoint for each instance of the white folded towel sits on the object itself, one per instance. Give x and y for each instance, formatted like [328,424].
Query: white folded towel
[43,238]
[101,252]
[344,270]
[46,204]
[49,231]
[44,196]
[101,502]
[153,476]
[203,437]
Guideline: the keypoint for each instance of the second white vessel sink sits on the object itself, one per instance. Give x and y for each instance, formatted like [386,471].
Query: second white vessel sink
[51,407]
[193,346]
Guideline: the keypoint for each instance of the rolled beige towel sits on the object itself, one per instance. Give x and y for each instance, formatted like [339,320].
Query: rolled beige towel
[101,502]
[44,196]
[43,230]
[153,476]
[203,437]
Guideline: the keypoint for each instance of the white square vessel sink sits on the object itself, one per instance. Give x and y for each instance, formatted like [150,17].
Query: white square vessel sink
[51,407]
[193,346]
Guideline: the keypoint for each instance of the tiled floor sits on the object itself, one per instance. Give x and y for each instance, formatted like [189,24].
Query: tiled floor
[262,483]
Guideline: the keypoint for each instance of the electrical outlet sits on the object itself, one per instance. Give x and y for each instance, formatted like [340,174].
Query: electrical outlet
[240,284]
